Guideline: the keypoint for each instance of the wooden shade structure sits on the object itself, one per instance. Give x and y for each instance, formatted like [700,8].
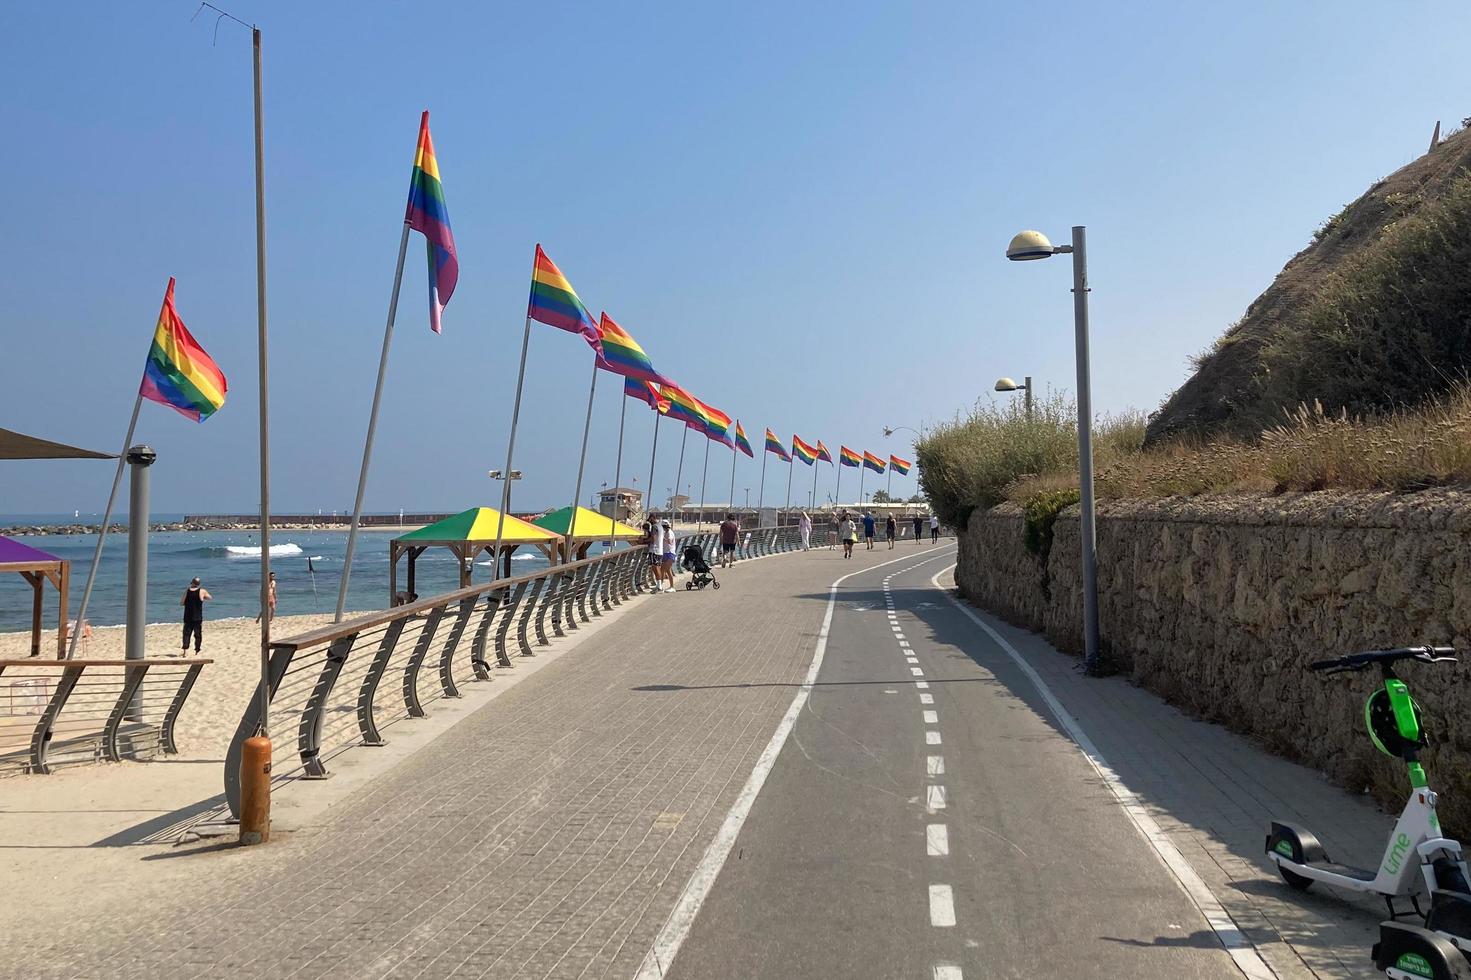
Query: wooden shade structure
[575,537]
[466,535]
[37,568]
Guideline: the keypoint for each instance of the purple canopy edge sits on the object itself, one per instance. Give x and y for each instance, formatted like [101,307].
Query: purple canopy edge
[12,550]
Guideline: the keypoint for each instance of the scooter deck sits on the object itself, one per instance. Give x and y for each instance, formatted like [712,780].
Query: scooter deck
[1342,870]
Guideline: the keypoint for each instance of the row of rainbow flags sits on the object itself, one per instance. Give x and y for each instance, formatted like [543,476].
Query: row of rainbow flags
[555,303]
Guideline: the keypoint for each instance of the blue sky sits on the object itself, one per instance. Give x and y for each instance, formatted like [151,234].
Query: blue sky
[799,209]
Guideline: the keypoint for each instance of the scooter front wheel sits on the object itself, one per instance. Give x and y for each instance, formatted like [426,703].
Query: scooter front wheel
[1294,879]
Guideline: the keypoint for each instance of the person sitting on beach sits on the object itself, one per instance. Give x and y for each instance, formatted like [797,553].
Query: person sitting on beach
[193,602]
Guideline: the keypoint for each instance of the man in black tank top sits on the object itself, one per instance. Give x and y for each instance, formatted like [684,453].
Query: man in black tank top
[193,603]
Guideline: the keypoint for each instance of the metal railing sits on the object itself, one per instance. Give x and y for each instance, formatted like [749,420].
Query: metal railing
[68,711]
[339,686]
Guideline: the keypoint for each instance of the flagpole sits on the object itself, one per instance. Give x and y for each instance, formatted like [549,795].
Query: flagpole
[889,489]
[704,475]
[582,459]
[357,507]
[679,470]
[653,455]
[761,494]
[862,475]
[812,505]
[265,428]
[732,473]
[117,478]
[618,464]
[838,489]
[500,524]
[791,465]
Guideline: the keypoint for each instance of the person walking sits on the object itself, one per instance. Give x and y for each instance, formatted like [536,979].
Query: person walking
[730,533]
[848,533]
[670,552]
[919,529]
[891,530]
[804,525]
[654,538]
[868,530]
[193,602]
[270,599]
[934,529]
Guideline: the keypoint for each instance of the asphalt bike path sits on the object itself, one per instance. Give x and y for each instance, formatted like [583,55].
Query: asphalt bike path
[927,817]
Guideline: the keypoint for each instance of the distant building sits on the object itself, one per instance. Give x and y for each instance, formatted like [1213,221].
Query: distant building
[620,503]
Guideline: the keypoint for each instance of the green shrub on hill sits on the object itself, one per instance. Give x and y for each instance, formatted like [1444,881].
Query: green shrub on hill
[1391,326]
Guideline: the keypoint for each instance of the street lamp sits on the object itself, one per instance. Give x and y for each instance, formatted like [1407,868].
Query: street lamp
[1006,384]
[891,429]
[1024,247]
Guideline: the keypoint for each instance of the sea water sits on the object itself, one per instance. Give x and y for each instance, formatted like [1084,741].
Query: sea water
[308,567]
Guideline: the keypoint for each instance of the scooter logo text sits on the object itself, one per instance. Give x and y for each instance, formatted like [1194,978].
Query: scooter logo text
[1397,853]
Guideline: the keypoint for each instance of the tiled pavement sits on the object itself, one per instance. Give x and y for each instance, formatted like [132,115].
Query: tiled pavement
[547,835]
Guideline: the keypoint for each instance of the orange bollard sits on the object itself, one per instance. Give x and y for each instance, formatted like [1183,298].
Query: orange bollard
[255,790]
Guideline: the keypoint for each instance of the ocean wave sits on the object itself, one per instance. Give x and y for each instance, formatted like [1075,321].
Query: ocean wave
[253,550]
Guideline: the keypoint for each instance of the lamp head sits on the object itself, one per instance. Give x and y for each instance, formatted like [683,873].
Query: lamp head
[888,431]
[1006,384]
[1030,245]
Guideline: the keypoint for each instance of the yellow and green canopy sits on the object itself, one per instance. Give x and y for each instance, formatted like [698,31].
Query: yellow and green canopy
[478,524]
[589,526]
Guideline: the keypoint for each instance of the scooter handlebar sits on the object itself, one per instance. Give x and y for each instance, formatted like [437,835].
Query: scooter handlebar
[1358,661]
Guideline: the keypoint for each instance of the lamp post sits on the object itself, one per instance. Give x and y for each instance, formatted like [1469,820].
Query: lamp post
[1006,384]
[1024,247]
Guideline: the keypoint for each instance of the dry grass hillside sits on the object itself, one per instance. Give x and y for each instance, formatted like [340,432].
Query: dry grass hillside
[1374,315]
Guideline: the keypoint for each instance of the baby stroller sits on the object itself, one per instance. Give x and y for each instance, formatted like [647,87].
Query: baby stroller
[693,561]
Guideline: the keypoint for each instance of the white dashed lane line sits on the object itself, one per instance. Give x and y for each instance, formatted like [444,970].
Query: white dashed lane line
[942,907]
[937,840]
[932,738]
[934,798]
[934,765]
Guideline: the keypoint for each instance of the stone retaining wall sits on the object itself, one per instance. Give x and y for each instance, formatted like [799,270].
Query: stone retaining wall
[1217,604]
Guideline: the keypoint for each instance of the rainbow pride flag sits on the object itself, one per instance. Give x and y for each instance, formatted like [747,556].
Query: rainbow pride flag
[773,445]
[741,442]
[802,451]
[427,215]
[823,455]
[848,457]
[901,466]
[178,372]
[683,406]
[555,303]
[621,354]
[717,423]
[646,393]
[872,462]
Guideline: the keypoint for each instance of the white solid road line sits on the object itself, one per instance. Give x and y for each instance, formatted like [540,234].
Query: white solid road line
[942,906]
[1243,953]
[936,840]
[677,927]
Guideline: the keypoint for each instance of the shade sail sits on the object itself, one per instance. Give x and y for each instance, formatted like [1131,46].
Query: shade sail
[477,524]
[18,445]
[12,552]
[590,525]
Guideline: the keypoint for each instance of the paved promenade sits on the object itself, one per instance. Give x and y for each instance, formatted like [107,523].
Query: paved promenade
[669,799]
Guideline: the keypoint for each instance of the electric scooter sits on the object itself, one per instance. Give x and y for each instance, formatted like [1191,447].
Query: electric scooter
[1417,857]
